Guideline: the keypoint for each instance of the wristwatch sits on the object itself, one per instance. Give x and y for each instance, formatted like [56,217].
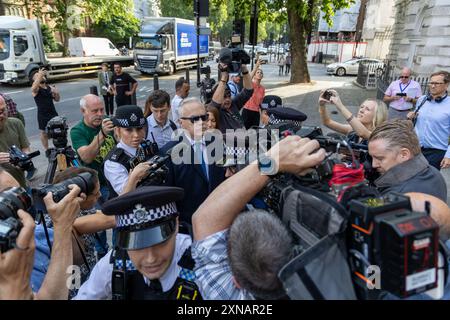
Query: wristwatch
[266,165]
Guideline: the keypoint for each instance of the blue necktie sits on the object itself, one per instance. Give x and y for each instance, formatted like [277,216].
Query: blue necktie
[199,155]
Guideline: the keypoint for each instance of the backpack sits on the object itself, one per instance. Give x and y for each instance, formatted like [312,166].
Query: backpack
[320,269]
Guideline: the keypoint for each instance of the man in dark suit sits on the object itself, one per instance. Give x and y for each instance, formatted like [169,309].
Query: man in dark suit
[192,166]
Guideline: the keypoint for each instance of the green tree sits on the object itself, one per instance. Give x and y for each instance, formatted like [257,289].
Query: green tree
[118,30]
[49,40]
[301,15]
[177,8]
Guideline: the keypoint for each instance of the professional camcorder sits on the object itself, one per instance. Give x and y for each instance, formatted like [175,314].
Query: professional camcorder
[56,129]
[21,159]
[11,200]
[233,58]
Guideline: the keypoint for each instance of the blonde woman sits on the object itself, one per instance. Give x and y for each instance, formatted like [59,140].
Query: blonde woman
[371,114]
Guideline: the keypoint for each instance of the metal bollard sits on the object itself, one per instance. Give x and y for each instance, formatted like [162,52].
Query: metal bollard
[155,82]
[93,90]
[187,75]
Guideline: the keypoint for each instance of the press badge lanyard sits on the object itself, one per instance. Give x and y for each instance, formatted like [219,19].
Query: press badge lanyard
[400,85]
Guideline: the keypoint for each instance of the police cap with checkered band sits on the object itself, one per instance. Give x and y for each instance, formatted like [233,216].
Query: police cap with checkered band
[144,217]
[129,116]
[286,115]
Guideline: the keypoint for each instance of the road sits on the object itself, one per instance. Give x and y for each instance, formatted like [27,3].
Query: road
[72,90]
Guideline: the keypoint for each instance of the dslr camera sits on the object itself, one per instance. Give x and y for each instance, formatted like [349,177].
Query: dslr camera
[233,58]
[11,200]
[21,159]
[56,129]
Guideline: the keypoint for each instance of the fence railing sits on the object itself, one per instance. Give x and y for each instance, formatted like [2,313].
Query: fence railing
[368,73]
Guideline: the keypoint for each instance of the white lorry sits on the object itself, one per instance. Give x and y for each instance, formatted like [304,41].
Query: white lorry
[165,45]
[22,54]
[90,47]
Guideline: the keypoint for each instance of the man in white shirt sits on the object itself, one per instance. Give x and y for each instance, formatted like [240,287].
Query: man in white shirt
[181,92]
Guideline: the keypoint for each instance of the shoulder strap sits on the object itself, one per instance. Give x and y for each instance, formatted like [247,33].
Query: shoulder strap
[422,102]
[122,270]
[173,125]
[119,155]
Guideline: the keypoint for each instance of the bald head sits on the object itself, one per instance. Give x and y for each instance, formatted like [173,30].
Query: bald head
[92,109]
[440,212]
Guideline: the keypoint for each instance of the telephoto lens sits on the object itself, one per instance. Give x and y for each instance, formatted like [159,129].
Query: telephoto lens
[84,180]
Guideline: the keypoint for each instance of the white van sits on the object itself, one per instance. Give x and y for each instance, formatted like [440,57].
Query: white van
[88,47]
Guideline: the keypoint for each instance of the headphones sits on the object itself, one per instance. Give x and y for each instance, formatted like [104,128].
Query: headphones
[439,99]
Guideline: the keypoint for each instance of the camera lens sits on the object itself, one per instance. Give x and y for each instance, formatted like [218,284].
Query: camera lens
[13,199]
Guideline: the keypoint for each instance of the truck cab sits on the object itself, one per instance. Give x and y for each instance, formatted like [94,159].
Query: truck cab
[20,48]
[165,45]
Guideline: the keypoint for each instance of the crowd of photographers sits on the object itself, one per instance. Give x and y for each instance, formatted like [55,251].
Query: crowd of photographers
[271,213]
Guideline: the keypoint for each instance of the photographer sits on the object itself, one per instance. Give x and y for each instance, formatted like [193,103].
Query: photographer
[396,155]
[229,108]
[83,243]
[44,95]
[238,256]
[130,127]
[12,132]
[63,215]
[370,115]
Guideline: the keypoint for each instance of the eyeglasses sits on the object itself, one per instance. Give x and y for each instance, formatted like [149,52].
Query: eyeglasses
[435,83]
[404,77]
[194,119]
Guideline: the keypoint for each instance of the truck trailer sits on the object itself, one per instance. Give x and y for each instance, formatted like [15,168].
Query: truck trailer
[165,45]
[22,54]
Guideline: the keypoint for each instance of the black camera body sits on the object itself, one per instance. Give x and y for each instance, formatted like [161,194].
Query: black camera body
[56,129]
[233,58]
[11,200]
[84,180]
[327,95]
[157,174]
[385,232]
[146,150]
[21,159]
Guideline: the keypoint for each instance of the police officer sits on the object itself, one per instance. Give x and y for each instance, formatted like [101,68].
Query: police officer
[152,260]
[269,102]
[129,124]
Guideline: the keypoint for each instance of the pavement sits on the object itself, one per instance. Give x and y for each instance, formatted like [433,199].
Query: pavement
[303,97]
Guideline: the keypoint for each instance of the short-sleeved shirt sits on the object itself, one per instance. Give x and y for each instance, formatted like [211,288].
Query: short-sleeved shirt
[13,133]
[122,82]
[256,99]
[412,89]
[116,173]
[213,271]
[232,119]
[82,135]
[175,106]
[162,135]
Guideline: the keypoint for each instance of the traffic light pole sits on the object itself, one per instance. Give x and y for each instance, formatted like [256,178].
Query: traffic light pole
[197,19]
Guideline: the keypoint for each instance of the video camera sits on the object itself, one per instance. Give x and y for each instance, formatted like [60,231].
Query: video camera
[233,58]
[56,129]
[157,174]
[145,151]
[21,159]
[206,85]
[383,231]
[11,200]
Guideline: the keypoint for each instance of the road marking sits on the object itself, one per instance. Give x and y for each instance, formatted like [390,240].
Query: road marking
[69,99]
[13,92]
[28,109]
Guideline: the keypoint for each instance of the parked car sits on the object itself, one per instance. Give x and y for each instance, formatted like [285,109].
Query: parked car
[351,67]
[264,57]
